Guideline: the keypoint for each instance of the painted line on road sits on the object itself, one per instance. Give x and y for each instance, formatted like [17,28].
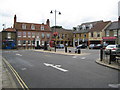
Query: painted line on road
[19,79]
[114,85]
[18,54]
[58,67]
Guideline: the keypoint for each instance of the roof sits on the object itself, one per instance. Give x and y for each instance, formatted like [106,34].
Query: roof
[10,29]
[100,26]
[114,25]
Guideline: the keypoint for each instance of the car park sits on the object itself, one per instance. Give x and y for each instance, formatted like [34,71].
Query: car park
[114,49]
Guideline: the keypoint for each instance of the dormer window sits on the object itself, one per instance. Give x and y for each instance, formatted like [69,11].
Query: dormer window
[32,27]
[42,27]
[23,26]
[83,27]
[90,26]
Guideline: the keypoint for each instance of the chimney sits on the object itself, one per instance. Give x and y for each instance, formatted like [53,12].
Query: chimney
[15,20]
[48,22]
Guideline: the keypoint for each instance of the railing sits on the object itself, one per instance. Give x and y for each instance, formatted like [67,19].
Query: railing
[109,56]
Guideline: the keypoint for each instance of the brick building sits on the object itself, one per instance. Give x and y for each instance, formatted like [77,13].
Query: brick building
[31,35]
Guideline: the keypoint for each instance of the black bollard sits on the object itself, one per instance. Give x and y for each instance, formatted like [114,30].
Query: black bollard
[101,54]
[79,51]
[65,49]
[110,57]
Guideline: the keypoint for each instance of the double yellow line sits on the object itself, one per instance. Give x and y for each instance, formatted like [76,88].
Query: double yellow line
[19,79]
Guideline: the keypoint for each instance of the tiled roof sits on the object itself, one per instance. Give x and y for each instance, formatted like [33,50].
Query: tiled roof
[114,25]
[10,29]
[99,26]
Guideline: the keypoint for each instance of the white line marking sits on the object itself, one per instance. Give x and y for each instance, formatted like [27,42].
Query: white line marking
[114,85]
[83,57]
[56,67]
[23,69]
[18,54]
[74,57]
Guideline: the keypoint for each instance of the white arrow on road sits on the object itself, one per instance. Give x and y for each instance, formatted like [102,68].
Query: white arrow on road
[56,67]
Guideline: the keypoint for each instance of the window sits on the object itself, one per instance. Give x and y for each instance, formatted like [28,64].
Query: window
[63,36]
[33,35]
[90,26]
[98,34]
[19,34]
[23,26]
[33,42]
[43,35]
[92,35]
[107,33]
[29,42]
[19,42]
[24,42]
[9,35]
[83,27]
[115,32]
[48,35]
[24,34]
[29,34]
[32,27]
[37,35]
[42,27]
[84,35]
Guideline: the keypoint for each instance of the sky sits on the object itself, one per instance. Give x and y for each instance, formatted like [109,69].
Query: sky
[73,12]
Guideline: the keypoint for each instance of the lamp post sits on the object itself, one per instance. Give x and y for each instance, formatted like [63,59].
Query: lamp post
[55,24]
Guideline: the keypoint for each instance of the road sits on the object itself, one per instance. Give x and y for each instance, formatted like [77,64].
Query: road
[46,70]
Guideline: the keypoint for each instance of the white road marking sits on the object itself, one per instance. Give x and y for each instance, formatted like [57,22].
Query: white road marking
[74,57]
[83,57]
[23,69]
[114,85]
[56,67]
[18,54]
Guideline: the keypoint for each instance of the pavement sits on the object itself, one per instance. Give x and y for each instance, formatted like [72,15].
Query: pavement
[7,80]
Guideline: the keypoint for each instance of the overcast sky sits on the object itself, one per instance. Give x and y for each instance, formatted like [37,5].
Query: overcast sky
[73,12]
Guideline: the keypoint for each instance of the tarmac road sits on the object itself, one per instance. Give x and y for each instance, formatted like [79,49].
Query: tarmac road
[46,70]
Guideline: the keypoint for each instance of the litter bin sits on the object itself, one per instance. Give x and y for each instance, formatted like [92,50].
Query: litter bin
[78,50]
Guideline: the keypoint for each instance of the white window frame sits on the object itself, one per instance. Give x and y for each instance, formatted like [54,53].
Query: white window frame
[24,43]
[115,32]
[25,34]
[29,34]
[42,27]
[33,34]
[9,35]
[23,26]
[19,42]
[43,35]
[33,27]
[19,34]
[48,35]
[107,33]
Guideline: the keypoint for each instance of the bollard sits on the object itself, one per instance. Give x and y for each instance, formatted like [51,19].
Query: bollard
[65,49]
[110,57]
[79,51]
[101,54]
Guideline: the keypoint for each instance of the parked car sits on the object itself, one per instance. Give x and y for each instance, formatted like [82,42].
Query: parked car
[60,46]
[113,48]
[98,46]
[81,46]
[91,46]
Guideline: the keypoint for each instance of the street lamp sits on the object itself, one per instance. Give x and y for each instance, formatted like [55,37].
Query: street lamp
[55,24]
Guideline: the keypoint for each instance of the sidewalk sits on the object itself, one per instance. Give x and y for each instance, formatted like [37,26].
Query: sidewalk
[62,52]
[7,79]
[113,65]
